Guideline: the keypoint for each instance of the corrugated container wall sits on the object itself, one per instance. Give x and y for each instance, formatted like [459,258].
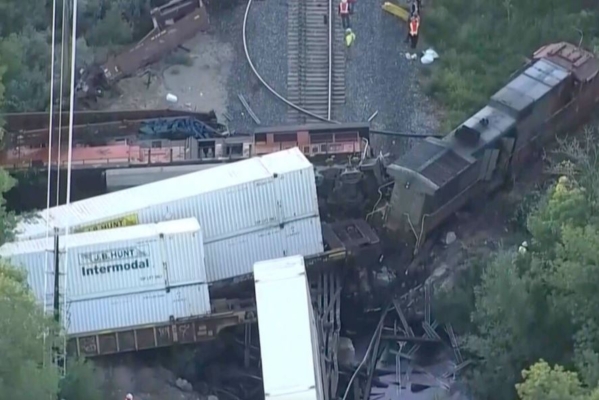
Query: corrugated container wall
[116,261]
[284,324]
[136,309]
[236,256]
[228,200]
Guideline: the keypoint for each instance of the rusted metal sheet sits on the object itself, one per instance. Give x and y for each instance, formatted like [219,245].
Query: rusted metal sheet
[114,156]
[155,46]
[172,12]
[164,335]
[583,64]
[92,134]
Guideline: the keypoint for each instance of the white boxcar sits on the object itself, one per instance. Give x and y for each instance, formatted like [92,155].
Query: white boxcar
[229,200]
[115,261]
[130,310]
[236,256]
[288,343]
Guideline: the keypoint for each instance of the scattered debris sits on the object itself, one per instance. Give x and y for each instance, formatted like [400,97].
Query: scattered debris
[450,238]
[183,385]
[428,56]
[373,116]
[171,98]
[248,109]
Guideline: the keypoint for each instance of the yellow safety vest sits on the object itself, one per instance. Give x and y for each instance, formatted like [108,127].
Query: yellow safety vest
[349,39]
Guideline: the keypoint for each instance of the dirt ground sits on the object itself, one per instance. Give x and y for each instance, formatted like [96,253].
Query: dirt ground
[200,86]
[484,227]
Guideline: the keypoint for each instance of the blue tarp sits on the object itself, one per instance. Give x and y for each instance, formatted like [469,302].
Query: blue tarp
[176,128]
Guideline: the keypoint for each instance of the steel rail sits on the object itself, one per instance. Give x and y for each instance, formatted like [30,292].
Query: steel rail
[266,85]
[330,88]
[295,106]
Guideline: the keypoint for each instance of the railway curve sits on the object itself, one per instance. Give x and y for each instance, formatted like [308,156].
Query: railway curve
[264,83]
[299,108]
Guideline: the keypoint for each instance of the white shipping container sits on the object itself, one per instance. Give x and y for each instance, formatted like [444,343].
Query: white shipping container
[228,200]
[288,345]
[132,310]
[115,261]
[125,178]
[236,256]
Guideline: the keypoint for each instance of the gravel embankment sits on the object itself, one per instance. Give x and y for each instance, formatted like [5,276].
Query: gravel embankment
[379,77]
[267,44]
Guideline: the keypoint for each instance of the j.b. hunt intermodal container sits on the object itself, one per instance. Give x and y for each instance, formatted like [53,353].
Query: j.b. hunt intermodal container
[114,262]
[136,309]
[229,200]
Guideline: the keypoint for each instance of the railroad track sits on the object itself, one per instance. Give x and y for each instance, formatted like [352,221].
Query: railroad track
[316,59]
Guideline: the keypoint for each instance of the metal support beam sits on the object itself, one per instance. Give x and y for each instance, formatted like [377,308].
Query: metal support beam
[454,343]
[402,318]
[414,349]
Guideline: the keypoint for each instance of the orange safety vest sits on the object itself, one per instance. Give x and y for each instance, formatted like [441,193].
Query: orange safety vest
[414,25]
[343,8]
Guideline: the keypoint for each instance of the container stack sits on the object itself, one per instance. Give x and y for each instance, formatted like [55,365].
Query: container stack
[120,278]
[252,210]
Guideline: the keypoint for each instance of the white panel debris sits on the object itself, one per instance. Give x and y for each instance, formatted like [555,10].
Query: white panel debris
[288,340]
[229,200]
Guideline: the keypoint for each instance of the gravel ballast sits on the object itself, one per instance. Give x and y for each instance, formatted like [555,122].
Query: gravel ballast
[267,44]
[378,75]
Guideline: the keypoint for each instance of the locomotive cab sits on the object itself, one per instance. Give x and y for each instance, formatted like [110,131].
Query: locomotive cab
[555,92]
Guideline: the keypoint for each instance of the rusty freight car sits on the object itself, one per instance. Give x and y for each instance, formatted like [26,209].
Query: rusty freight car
[174,23]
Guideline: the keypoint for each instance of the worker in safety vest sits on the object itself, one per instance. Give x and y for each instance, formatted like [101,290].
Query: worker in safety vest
[413,31]
[350,37]
[344,13]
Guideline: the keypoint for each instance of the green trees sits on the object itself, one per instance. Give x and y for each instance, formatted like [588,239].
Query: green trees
[481,42]
[26,56]
[26,369]
[543,304]
[25,36]
[23,351]
[541,382]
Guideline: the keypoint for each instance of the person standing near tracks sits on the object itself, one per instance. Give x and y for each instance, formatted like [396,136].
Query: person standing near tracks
[413,32]
[350,37]
[344,13]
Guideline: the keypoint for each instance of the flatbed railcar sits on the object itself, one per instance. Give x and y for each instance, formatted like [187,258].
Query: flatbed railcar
[554,93]
[343,240]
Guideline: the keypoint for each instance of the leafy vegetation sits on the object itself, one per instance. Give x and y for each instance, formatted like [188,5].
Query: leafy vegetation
[26,369]
[482,42]
[25,43]
[542,304]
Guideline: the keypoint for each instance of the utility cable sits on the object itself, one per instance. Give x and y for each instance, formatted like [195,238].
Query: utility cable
[70,158]
[63,48]
[49,186]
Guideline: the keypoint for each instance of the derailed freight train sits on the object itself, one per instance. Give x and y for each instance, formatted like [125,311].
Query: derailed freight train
[554,93]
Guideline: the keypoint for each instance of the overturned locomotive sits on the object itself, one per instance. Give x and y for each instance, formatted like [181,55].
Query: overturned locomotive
[555,92]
